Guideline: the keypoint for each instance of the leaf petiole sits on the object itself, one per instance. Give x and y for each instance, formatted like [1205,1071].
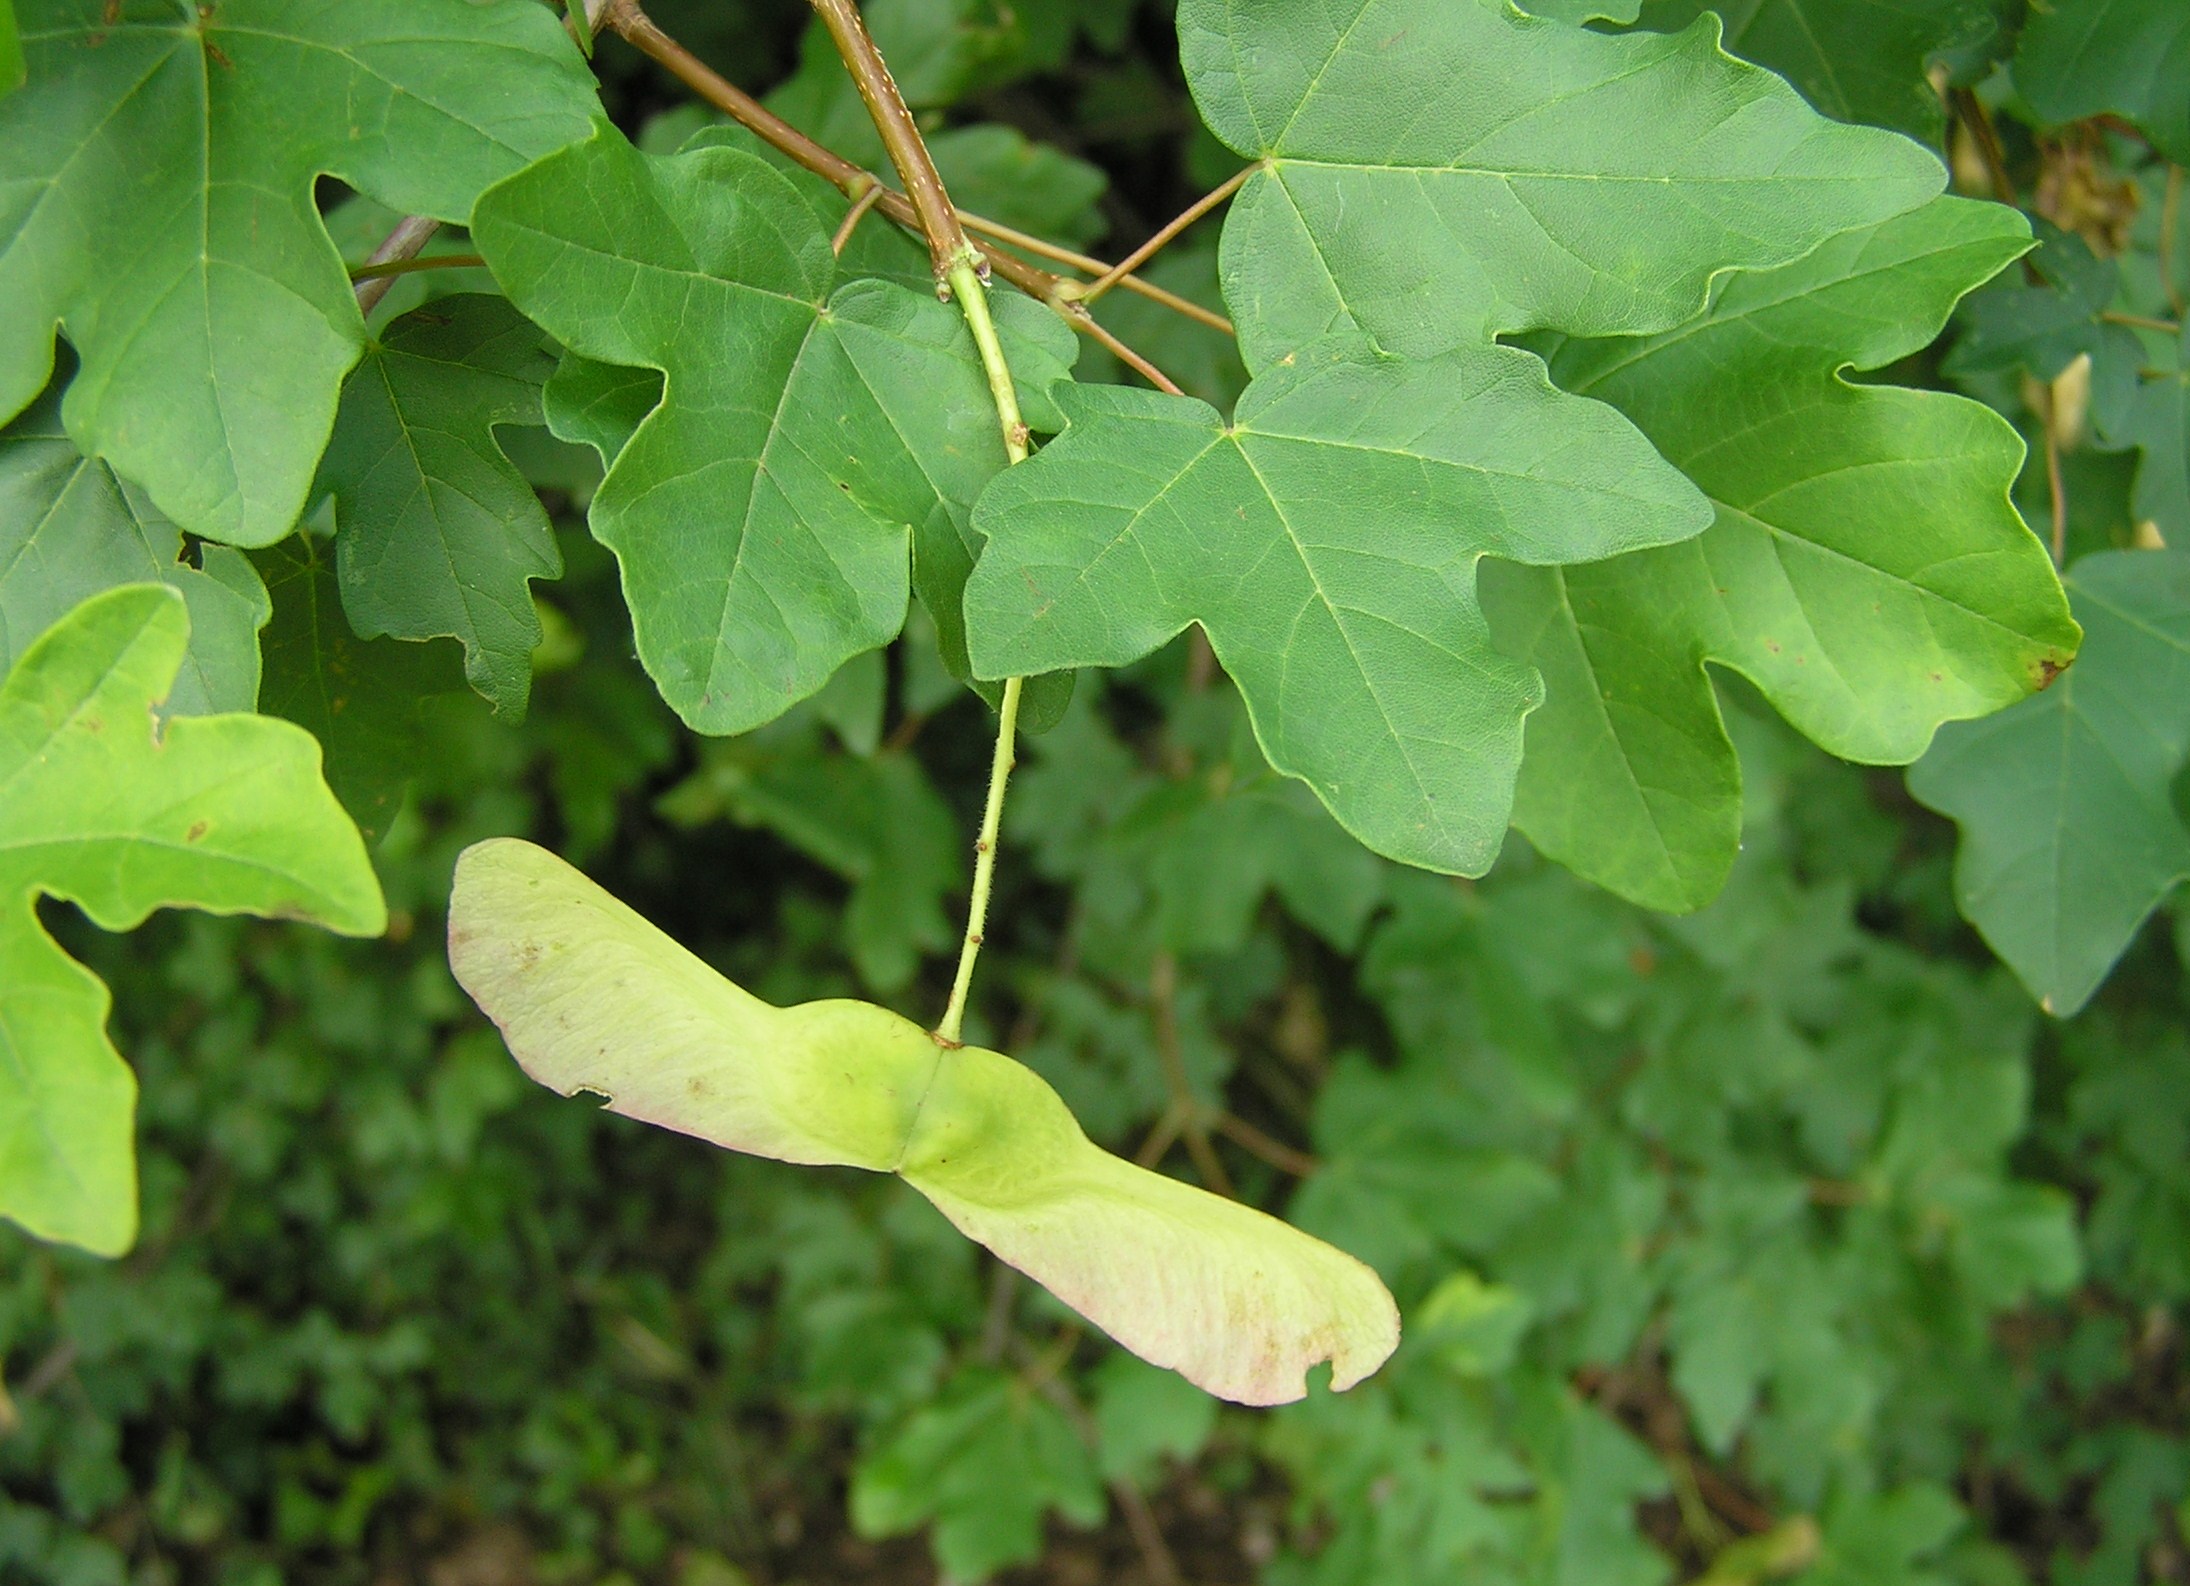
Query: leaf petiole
[1162,239]
[951,1027]
[384,268]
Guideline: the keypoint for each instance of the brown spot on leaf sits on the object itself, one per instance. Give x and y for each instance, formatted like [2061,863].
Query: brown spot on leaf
[2048,669]
[197,831]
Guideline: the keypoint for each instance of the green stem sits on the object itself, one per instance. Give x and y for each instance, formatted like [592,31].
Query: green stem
[973,301]
[960,272]
[951,1027]
[435,261]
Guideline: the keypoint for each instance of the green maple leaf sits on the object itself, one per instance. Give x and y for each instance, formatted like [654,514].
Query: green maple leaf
[805,441]
[1865,568]
[2040,318]
[600,405]
[105,804]
[2155,419]
[156,204]
[11,48]
[1581,11]
[2082,57]
[1437,172]
[359,697]
[2073,824]
[1327,540]
[1856,60]
[70,528]
[437,533]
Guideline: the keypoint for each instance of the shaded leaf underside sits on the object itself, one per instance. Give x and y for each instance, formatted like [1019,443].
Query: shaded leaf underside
[437,533]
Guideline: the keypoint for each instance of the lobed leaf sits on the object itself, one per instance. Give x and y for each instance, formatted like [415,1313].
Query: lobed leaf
[1856,60]
[1865,568]
[2073,828]
[2082,57]
[360,698]
[1327,540]
[1439,172]
[437,533]
[2154,418]
[804,442]
[156,204]
[70,527]
[104,804]
[592,997]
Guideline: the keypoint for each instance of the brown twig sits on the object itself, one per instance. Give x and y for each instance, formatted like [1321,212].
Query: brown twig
[1637,1397]
[1971,112]
[410,236]
[996,1320]
[49,1372]
[636,28]
[1085,322]
[1837,1192]
[1155,245]
[2170,216]
[1163,997]
[1140,1519]
[439,261]
[2056,486]
[1090,265]
[2166,327]
[1160,1135]
[948,244]
[1201,660]
[1273,1151]
[852,217]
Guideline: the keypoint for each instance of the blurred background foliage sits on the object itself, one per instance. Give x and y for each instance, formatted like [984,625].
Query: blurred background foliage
[1787,1241]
